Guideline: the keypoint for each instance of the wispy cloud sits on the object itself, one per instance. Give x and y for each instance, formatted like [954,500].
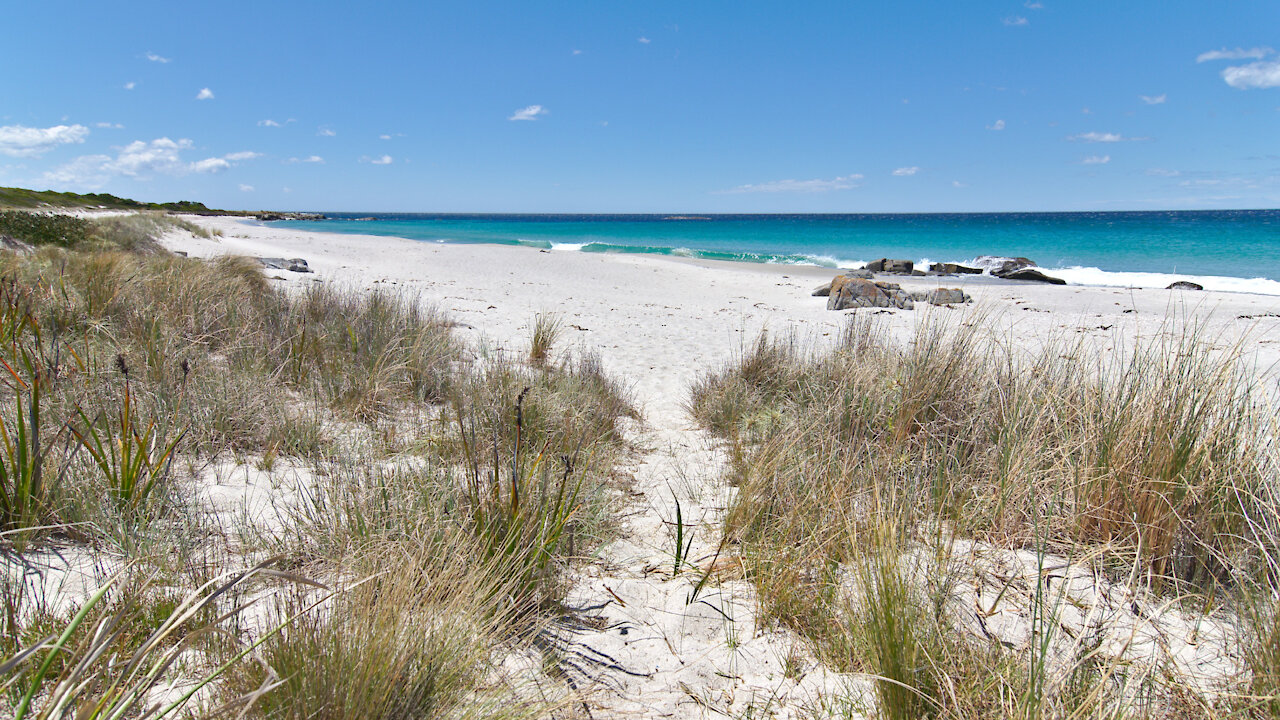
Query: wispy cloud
[1096,160]
[1163,172]
[326,132]
[141,159]
[958,184]
[643,40]
[307,159]
[109,126]
[1256,53]
[384,160]
[843,182]
[20,141]
[906,171]
[156,58]
[997,125]
[532,112]
[246,188]
[1016,21]
[1154,99]
[1102,137]
[1033,5]
[577,52]
[204,94]
[1261,74]
[130,85]
[268,123]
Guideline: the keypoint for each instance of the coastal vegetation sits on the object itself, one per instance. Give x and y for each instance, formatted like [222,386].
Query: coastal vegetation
[427,497]
[991,529]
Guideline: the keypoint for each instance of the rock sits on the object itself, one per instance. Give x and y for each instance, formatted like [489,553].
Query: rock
[847,292]
[297,265]
[270,215]
[861,273]
[954,269]
[946,296]
[822,290]
[180,253]
[996,264]
[885,265]
[1185,285]
[1029,274]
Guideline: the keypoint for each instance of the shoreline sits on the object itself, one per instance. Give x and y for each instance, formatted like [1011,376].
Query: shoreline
[1076,275]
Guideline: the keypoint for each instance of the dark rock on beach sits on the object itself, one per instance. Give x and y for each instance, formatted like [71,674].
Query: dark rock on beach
[825,289]
[1031,275]
[848,292]
[297,265]
[1185,285]
[943,296]
[885,265]
[270,215]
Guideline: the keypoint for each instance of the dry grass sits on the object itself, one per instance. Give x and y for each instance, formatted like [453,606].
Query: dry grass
[1153,460]
[448,538]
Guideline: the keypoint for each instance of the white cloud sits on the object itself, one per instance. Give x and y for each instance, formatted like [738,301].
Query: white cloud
[997,125]
[130,85]
[529,113]
[384,160]
[1261,74]
[1085,111]
[109,126]
[906,171]
[268,123]
[156,58]
[1163,172]
[246,188]
[20,141]
[958,184]
[1102,137]
[204,94]
[844,182]
[1256,53]
[384,136]
[643,40]
[1016,21]
[1033,5]
[1096,160]
[141,159]
[577,52]
[1154,99]
[308,159]
[326,132]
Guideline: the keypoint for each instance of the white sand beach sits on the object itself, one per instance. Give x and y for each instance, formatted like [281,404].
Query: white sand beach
[656,323]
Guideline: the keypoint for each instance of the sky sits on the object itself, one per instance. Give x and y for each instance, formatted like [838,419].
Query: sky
[595,106]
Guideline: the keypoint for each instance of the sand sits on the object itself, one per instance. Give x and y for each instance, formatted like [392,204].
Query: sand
[653,649]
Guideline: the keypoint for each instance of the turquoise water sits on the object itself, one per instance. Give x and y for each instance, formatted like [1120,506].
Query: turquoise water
[1227,250]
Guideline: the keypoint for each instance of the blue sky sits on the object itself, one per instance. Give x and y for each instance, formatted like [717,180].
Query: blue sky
[656,106]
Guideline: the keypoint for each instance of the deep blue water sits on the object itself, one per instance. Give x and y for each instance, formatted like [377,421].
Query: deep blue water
[1233,249]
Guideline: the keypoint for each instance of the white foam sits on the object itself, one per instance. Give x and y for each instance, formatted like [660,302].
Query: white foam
[569,247]
[1096,276]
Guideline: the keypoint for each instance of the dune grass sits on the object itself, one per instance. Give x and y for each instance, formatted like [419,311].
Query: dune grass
[1153,464]
[128,370]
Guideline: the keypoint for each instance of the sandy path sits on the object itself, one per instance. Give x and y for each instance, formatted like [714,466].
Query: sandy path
[643,644]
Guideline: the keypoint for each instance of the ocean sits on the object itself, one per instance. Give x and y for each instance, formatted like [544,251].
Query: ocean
[1229,250]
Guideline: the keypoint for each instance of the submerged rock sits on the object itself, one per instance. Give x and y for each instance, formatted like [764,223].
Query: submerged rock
[1185,285]
[996,264]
